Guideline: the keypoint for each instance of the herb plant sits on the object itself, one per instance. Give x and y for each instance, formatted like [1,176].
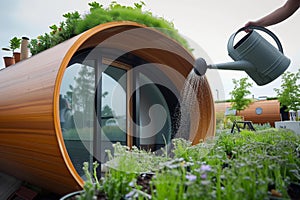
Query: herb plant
[75,24]
[246,165]
[14,44]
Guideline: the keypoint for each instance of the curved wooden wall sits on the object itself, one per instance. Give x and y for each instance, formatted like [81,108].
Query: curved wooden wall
[270,111]
[31,143]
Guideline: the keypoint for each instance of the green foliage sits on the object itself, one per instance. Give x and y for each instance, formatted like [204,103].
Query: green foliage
[238,94]
[14,44]
[184,149]
[84,89]
[134,160]
[259,127]
[91,185]
[75,24]
[114,133]
[58,34]
[228,120]
[169,180]
[289,92]
[245,165]
[124,167]
[117,183]
[272,98]
[219,120]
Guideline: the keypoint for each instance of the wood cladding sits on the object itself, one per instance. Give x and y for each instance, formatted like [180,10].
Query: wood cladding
[31,142]
[270,111]
[29,147]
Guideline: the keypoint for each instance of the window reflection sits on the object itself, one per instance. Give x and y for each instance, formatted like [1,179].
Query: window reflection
[78,90]
[95,107]
[113,108]
[156,132]
[113,112]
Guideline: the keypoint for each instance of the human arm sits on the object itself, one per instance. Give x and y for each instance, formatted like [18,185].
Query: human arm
[277,15]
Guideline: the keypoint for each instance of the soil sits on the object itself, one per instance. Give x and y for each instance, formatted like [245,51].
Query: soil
[144,181]
[294,191]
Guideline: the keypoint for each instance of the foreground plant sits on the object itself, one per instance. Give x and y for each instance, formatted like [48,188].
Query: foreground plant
[91,185]
[247,165]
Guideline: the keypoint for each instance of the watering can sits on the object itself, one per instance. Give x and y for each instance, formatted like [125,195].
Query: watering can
[252,54]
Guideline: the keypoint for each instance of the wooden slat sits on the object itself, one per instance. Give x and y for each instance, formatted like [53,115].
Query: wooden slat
[29,146]
[270,113]
[39,177]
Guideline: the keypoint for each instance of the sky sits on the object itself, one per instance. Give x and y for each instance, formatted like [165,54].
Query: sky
[207,24]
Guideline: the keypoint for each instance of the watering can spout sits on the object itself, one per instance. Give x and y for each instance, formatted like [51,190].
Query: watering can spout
[201,66]
[237,65]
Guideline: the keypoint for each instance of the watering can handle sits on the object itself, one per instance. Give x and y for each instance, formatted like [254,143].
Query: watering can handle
[231,39]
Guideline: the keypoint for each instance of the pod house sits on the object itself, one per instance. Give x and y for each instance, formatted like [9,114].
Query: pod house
[117,82]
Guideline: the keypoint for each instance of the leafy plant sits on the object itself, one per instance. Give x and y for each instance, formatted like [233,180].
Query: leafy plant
[229,119]
[117,183]
[289,92]
[91,185]
[262,126]
[14,44]
[75,24]
[248,165]
[169,180]
[134,160]
[58,34]
[238,94]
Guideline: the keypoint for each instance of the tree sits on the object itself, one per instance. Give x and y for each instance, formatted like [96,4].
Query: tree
[238,94]
[84,89]
[289,92]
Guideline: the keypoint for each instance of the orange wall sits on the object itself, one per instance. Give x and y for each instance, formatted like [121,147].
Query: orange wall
[270,111]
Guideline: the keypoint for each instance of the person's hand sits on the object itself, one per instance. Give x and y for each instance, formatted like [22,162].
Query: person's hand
[250,23]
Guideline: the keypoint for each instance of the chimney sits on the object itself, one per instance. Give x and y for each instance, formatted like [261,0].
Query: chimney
[24,48]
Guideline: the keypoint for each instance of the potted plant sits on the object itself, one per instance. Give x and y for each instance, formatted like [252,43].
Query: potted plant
[14,44]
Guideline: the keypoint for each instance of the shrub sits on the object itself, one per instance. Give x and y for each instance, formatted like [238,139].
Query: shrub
[75,24]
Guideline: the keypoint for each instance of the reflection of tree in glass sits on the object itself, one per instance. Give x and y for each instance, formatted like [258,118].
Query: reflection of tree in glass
[106,111]
[81,96]
[104,94]
[84,89]
[69,95]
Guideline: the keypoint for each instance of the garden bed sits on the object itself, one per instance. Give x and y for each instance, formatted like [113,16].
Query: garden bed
[246,165]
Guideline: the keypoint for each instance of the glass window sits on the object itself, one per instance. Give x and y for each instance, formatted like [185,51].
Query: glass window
[154,116]
[96,109]
[77,119]
[113,108]
[258,110]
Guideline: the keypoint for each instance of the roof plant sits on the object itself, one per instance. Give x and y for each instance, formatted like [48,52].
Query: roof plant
[75,24]
[14,44]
